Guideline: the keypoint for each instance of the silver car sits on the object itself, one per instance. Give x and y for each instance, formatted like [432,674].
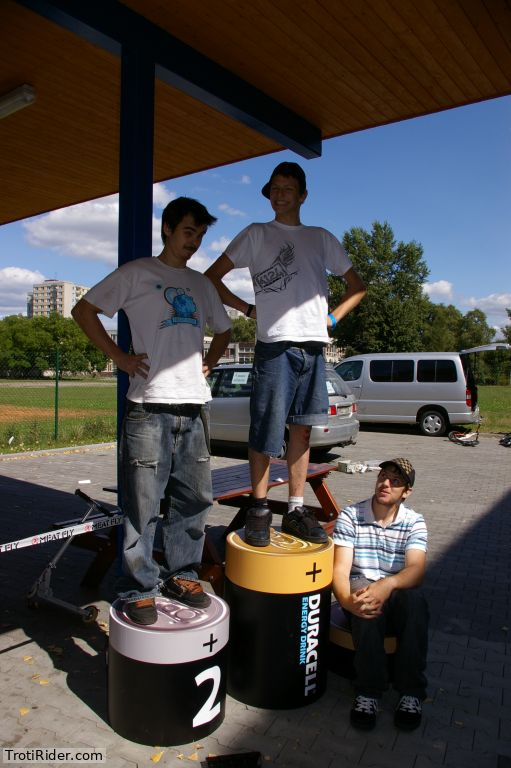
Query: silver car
[230,409]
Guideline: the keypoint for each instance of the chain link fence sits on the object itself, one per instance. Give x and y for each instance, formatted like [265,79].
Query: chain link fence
[55,410]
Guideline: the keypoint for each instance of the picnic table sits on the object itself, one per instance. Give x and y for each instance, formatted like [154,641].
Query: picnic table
[231,487]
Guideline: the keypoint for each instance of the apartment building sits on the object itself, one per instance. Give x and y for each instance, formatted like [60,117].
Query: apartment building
[58,296]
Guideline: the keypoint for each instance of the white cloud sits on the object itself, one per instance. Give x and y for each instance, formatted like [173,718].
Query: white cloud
[226,208]
[85,231]
[440,291]
[494,307]
[240,283]
[495,302]
[200,261]
[89,231]
[15,283]
[245,179]
[161,196]
[219,246]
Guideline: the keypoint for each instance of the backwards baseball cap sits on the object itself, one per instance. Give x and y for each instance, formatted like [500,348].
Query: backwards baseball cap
[286,169]
[404,468]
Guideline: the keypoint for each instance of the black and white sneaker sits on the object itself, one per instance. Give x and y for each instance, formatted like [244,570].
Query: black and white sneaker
[257,526]
[303,524]
[363,712]
[408,713]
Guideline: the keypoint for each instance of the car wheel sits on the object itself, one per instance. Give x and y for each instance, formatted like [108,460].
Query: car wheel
[433,423]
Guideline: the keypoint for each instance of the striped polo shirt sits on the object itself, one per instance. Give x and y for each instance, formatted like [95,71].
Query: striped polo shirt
[379,551]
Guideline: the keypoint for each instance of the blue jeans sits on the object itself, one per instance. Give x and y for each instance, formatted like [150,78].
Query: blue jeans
[406,615]
[164,455]
[289,387]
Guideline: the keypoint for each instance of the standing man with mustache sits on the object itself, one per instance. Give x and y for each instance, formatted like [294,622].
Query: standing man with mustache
[164,450]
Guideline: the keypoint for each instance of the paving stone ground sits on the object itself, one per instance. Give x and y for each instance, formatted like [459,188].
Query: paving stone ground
[52,666]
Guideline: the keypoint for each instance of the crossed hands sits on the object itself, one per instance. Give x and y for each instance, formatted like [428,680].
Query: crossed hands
[367,602]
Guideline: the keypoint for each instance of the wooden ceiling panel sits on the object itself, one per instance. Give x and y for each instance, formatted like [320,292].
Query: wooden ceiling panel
[188,136]
[54,149]
[343,65]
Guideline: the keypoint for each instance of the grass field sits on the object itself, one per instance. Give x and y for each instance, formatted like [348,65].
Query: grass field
[100,396]
[87,413]
[495,407]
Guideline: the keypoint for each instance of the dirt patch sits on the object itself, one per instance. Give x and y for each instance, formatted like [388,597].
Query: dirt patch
[19,413]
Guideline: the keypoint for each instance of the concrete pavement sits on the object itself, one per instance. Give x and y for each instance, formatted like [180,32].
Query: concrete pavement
[52,667]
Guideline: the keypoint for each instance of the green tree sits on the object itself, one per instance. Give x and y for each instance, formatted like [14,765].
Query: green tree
[28,346]
[77,354]
[506,330]
[243,329]
[441,330]
[474,330]
[392,314]
[25,346]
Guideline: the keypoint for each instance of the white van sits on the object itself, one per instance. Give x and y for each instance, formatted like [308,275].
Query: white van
[432,389]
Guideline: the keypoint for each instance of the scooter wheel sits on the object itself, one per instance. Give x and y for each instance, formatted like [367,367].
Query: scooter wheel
[91,614]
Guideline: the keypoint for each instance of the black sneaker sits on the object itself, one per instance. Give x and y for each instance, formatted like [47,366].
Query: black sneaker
[257,526]
[303,524]
[363,713]
[408,713]
[142,611]
[185,591]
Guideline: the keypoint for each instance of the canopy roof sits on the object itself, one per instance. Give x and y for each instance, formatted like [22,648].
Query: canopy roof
[253,77]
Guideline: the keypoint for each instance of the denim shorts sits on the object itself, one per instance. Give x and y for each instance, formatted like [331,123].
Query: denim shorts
[289,387]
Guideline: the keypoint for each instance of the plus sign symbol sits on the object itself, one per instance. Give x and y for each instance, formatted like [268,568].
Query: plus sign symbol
[210,643]
[314,572]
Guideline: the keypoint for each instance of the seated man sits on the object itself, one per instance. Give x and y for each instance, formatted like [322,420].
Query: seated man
[380,559]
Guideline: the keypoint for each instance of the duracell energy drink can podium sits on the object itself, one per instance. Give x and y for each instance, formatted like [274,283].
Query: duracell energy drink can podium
[279,598]
[167,681]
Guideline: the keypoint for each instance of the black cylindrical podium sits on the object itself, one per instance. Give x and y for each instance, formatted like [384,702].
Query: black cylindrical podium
[279,598]
[167,681]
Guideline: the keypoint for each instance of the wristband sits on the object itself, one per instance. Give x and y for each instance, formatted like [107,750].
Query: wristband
[249,310]
[332,318]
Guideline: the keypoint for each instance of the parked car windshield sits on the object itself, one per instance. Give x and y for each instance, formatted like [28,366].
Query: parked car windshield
[335,385]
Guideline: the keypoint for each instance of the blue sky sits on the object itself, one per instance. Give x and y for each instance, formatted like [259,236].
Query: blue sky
[442,180]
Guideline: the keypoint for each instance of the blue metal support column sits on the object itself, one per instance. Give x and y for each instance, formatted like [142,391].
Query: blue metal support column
[135,179]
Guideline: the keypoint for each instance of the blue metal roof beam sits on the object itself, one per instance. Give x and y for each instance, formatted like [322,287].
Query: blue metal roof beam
[110,25]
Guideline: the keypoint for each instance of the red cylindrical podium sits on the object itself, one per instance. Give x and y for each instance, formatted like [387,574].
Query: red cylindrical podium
[167,681]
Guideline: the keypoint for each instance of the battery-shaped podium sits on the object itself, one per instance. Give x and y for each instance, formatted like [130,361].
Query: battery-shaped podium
[167,681]
[279,598]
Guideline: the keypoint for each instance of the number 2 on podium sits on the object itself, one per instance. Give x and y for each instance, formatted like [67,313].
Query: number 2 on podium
[207,712]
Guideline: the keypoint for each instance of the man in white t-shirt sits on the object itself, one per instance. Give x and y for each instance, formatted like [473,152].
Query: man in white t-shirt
[164,450]
[288,263]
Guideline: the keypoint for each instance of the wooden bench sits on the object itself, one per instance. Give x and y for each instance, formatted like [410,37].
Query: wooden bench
[231,487]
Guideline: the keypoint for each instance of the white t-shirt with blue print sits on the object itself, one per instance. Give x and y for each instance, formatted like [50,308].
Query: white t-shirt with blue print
[168,310]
